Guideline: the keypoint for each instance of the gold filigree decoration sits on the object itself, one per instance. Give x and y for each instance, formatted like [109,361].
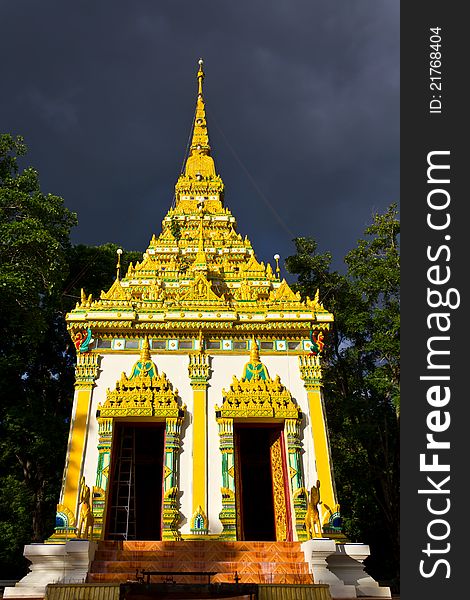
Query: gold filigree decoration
[253,267]
[246,292]
[199,522]
[258,398]
[227,494]
[145,393]
[199,367]
[315,303]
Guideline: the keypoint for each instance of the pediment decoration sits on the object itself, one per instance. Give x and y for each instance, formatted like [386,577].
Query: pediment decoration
[253,267]
[201,290]
[256,394]
[145,393]
[115,292]
[285,294]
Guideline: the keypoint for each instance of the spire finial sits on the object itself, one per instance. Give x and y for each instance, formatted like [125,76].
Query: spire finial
[118,266]
[200,77]
[278,270]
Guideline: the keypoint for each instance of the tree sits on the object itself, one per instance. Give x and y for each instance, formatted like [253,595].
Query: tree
[361,381]
[40,278]
[94,269]
[34,239]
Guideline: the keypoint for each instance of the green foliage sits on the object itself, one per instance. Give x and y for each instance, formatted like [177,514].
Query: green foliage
[40,280]
[94,269]
[34,235]
[361,381]
[15,526]
[34,240]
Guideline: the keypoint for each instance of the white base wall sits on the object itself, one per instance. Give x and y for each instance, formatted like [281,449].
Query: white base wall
[341,567]
[53,563]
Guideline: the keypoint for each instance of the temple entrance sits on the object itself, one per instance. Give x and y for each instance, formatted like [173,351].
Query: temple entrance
[262,510]
[136,483]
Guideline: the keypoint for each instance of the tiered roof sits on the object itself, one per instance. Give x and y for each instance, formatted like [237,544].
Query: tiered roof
[199,273]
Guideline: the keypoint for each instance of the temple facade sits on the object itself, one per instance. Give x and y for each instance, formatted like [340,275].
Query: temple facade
[198,408]
[198,411]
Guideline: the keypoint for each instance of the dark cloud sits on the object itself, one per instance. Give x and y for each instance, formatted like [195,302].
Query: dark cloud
[302,99]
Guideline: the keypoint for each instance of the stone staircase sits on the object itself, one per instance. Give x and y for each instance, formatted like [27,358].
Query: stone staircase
[253,562]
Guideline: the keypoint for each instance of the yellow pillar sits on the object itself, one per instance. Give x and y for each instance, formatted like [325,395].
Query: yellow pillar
[199,446]
[199,374]
[86,372]
[310,370]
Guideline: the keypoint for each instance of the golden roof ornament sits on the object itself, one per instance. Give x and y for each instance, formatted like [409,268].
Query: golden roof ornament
[145,350]
[254,351]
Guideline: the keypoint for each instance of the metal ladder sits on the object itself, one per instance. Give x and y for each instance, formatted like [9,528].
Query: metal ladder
[123,510]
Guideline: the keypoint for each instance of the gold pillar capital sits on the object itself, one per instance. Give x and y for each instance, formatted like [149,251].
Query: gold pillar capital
[86,370]
[311,371]
[199,370]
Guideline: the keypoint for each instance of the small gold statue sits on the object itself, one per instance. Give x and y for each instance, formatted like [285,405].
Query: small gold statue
[312,518]
[86,519]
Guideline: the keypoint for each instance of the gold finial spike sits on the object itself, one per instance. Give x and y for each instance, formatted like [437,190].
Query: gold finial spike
[200,138]
[200,77]
[254,351]
[278,270]
[118,266]
[145,350]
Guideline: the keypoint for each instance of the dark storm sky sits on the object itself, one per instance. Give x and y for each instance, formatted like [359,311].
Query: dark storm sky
[302,99]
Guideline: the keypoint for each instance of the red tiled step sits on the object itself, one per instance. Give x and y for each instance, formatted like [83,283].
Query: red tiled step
[255,562]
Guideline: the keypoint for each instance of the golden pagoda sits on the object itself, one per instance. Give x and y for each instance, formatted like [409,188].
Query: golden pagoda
[200,295]
[198,413]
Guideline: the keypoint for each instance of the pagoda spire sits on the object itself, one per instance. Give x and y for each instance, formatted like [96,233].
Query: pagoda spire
[200,138]
[199,177]
[200,164]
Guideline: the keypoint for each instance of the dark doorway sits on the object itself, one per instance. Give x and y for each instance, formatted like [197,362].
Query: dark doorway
[135,509]
[254,482]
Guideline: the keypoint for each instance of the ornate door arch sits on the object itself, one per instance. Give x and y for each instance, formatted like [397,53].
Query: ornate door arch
[257,398]
[146,396]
